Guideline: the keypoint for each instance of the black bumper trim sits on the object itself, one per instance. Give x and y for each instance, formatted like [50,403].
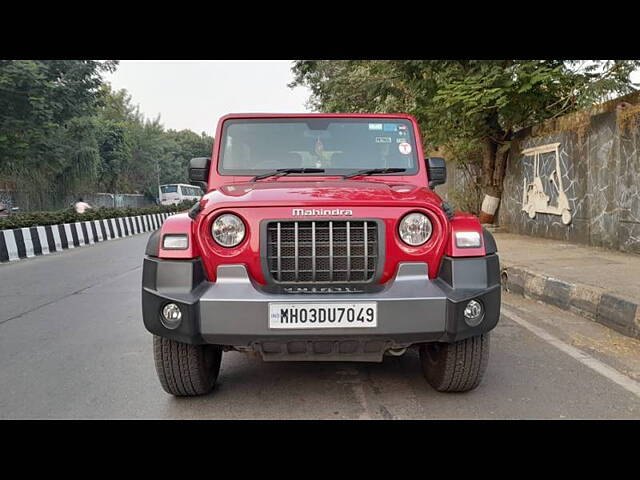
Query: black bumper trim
[239,303]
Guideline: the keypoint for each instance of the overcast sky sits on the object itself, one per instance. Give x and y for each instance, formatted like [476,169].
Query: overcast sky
[195,94]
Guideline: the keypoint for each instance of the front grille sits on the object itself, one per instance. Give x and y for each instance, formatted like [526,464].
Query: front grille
[322,251]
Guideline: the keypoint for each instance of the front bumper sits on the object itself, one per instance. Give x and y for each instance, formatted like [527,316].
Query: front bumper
[233,311]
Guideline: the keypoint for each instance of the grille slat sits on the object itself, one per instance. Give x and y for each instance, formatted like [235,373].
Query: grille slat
[348,251]
[366,260]
[313,242]
[279,255]
[329,251]
[296,250]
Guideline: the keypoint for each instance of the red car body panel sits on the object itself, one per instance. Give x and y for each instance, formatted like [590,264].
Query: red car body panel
[387,198]
[464,222]
[179,224]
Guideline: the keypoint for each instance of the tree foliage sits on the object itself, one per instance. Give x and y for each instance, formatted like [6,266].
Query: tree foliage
[470,107]
[63,131]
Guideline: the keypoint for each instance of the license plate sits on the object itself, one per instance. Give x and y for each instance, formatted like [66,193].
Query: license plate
[323,315]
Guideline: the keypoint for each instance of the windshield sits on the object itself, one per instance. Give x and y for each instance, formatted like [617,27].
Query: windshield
[338,145]
[169,188]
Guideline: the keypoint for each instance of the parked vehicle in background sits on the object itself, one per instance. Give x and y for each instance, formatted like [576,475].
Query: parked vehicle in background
[5,211]
[320,238]
[175,193]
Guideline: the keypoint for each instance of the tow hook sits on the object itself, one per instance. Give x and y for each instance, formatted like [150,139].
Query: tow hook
[396,352]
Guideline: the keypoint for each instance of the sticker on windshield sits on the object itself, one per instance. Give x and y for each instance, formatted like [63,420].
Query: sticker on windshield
[390,127]
[375,126]
[383,139]
[404,148]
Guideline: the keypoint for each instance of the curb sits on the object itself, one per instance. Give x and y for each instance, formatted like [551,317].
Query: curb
[19,243]
[592,302]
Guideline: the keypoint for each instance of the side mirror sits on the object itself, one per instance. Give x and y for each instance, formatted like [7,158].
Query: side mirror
[436,171]
[199,172]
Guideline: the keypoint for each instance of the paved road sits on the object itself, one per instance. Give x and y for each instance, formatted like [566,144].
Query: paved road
[72,345]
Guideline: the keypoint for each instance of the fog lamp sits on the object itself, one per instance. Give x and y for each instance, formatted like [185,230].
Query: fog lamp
[171,316]
[473,313]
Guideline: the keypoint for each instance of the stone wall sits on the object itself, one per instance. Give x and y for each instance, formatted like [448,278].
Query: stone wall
[599,156]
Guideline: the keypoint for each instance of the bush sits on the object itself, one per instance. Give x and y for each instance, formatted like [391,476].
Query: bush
[33,219]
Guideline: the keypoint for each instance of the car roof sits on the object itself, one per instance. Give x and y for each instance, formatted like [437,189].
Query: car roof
[317,115]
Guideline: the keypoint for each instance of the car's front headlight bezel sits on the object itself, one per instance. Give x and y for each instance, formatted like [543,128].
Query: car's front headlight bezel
[228,230]
[413,230]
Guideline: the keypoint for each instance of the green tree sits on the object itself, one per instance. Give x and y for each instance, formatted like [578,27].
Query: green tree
[133,148]
[64,131]
[47,138]
[470,107]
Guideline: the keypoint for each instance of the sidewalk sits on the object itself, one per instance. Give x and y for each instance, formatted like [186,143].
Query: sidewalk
[600,284]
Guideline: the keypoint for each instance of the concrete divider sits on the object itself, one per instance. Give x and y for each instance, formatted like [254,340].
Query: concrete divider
[613,311]
[19,243]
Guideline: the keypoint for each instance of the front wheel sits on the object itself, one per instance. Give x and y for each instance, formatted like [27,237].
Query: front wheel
[186,370]
[455,367]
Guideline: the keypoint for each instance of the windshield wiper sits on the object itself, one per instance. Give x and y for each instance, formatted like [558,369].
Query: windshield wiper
[373,171]
[286,171]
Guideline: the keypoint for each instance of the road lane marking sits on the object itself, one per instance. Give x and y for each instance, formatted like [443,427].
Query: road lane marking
[625,382]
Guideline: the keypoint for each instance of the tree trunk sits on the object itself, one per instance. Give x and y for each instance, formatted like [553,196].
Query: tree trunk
[491,192]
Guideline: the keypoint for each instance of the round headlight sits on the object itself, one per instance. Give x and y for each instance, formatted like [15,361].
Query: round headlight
[415,229]
[227,230]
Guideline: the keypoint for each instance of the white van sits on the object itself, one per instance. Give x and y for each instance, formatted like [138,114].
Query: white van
[175,193]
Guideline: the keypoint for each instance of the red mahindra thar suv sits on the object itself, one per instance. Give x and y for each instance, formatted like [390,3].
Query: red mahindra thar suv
[320,237]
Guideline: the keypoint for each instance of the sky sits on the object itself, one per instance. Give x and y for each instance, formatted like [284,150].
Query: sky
[190,94]
[195,94]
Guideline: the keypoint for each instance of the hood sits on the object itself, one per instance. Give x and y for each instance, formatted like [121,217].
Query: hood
[321,193]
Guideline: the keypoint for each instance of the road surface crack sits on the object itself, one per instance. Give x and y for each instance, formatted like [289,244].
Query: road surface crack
[110,279]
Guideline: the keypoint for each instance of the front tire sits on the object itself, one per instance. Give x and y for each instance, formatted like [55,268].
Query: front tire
[186,370]
[455,367]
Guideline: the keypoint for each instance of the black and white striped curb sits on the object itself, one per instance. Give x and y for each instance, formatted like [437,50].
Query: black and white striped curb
[28,242]
[605,307]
